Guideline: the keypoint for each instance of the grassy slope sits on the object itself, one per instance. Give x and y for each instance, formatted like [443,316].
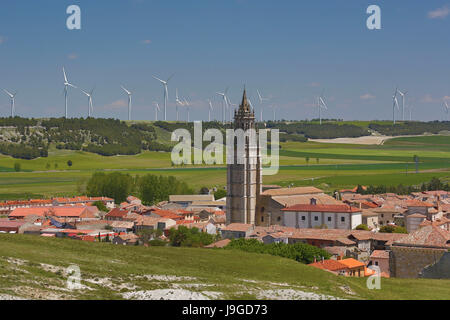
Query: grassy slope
[217,270]
[339,166]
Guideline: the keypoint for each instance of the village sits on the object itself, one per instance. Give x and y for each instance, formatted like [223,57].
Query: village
[405,236]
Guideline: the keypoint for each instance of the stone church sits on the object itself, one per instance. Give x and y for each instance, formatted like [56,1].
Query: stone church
[244,179]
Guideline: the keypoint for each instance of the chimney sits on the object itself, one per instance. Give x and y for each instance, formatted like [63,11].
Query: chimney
[339,257]
[313,201]
[323,259]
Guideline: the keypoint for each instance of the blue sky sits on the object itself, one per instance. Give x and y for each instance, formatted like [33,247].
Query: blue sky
[290,50]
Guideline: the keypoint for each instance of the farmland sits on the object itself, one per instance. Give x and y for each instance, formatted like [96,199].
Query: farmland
[326,165]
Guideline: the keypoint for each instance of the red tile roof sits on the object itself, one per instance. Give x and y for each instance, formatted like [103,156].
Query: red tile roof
[331,265]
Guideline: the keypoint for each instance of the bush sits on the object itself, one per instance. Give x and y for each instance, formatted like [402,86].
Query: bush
[362,227]
[300,252]
[189,237]
[220,193]
[17,166]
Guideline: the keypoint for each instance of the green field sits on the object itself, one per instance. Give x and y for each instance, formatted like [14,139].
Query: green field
[33,267]
[330,166]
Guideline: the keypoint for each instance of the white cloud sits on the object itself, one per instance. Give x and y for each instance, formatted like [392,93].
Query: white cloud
[72,56]
[116,104]
[367,96]
[147,41]
[2,39]
[440,13]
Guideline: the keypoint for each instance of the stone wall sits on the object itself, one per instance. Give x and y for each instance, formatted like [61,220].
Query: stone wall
[439,270]
[408,262]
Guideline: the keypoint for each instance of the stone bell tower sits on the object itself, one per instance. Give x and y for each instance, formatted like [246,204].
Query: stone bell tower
[244,176]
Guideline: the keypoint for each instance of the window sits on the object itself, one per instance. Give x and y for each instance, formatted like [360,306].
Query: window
[376,263]
[329,219]
[316,218]
[303,218]
[342,219]
[262,209]
[278,218]
[262,218]
[382,215]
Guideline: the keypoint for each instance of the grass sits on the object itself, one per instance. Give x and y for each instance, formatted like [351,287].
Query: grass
[234,274]
[338,166]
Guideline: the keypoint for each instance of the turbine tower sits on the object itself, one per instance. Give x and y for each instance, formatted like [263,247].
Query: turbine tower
[157,109]
[321,104]
[67,84]
[224,103]
[446,108]
[129,101]
[187,104]
[274,108]
[394,104]
[261,100]
[166,93]
[177,102]
[90,106]
[403,94]
[210,109]
[13,99]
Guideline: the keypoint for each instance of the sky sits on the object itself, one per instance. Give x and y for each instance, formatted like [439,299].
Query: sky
[289,50]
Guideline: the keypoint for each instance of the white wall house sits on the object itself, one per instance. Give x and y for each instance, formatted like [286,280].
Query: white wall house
[317,215]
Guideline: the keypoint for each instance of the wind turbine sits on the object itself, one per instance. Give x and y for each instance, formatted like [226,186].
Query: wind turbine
[395,104]
[157,109]
[13,98]
[224,103]
[129,101]
[166,93]
[209,110]
[321,104]
[187,104]
[67,84]
[261,100]
[230,108]
[274,108]
[90,106]
[403,94]
[177,101]
[447,108]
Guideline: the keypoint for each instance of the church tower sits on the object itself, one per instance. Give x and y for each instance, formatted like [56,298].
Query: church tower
[244,178]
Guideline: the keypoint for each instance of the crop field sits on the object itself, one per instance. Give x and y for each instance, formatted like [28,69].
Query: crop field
[325,165]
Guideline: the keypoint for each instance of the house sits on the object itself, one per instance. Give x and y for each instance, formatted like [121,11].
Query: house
[423,253]
[314,215]
[76,212]
[380,258]
[370,219]
[355,268]
[237,230]
[271,202]
[116,214]
[186,200]
[122,226]
[11,226]
[126,239]
[331,265]
[413,221]
[386,214]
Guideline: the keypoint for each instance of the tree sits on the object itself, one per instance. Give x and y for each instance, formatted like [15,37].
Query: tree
[220,193]
[387,229]
[17,166]
[100,206]
[204,190]
[317,160]
[362,227]
[69,163]
[115,185]
[47,166]
[307,160]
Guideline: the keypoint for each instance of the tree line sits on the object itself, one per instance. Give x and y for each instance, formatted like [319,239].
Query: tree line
[151,189]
